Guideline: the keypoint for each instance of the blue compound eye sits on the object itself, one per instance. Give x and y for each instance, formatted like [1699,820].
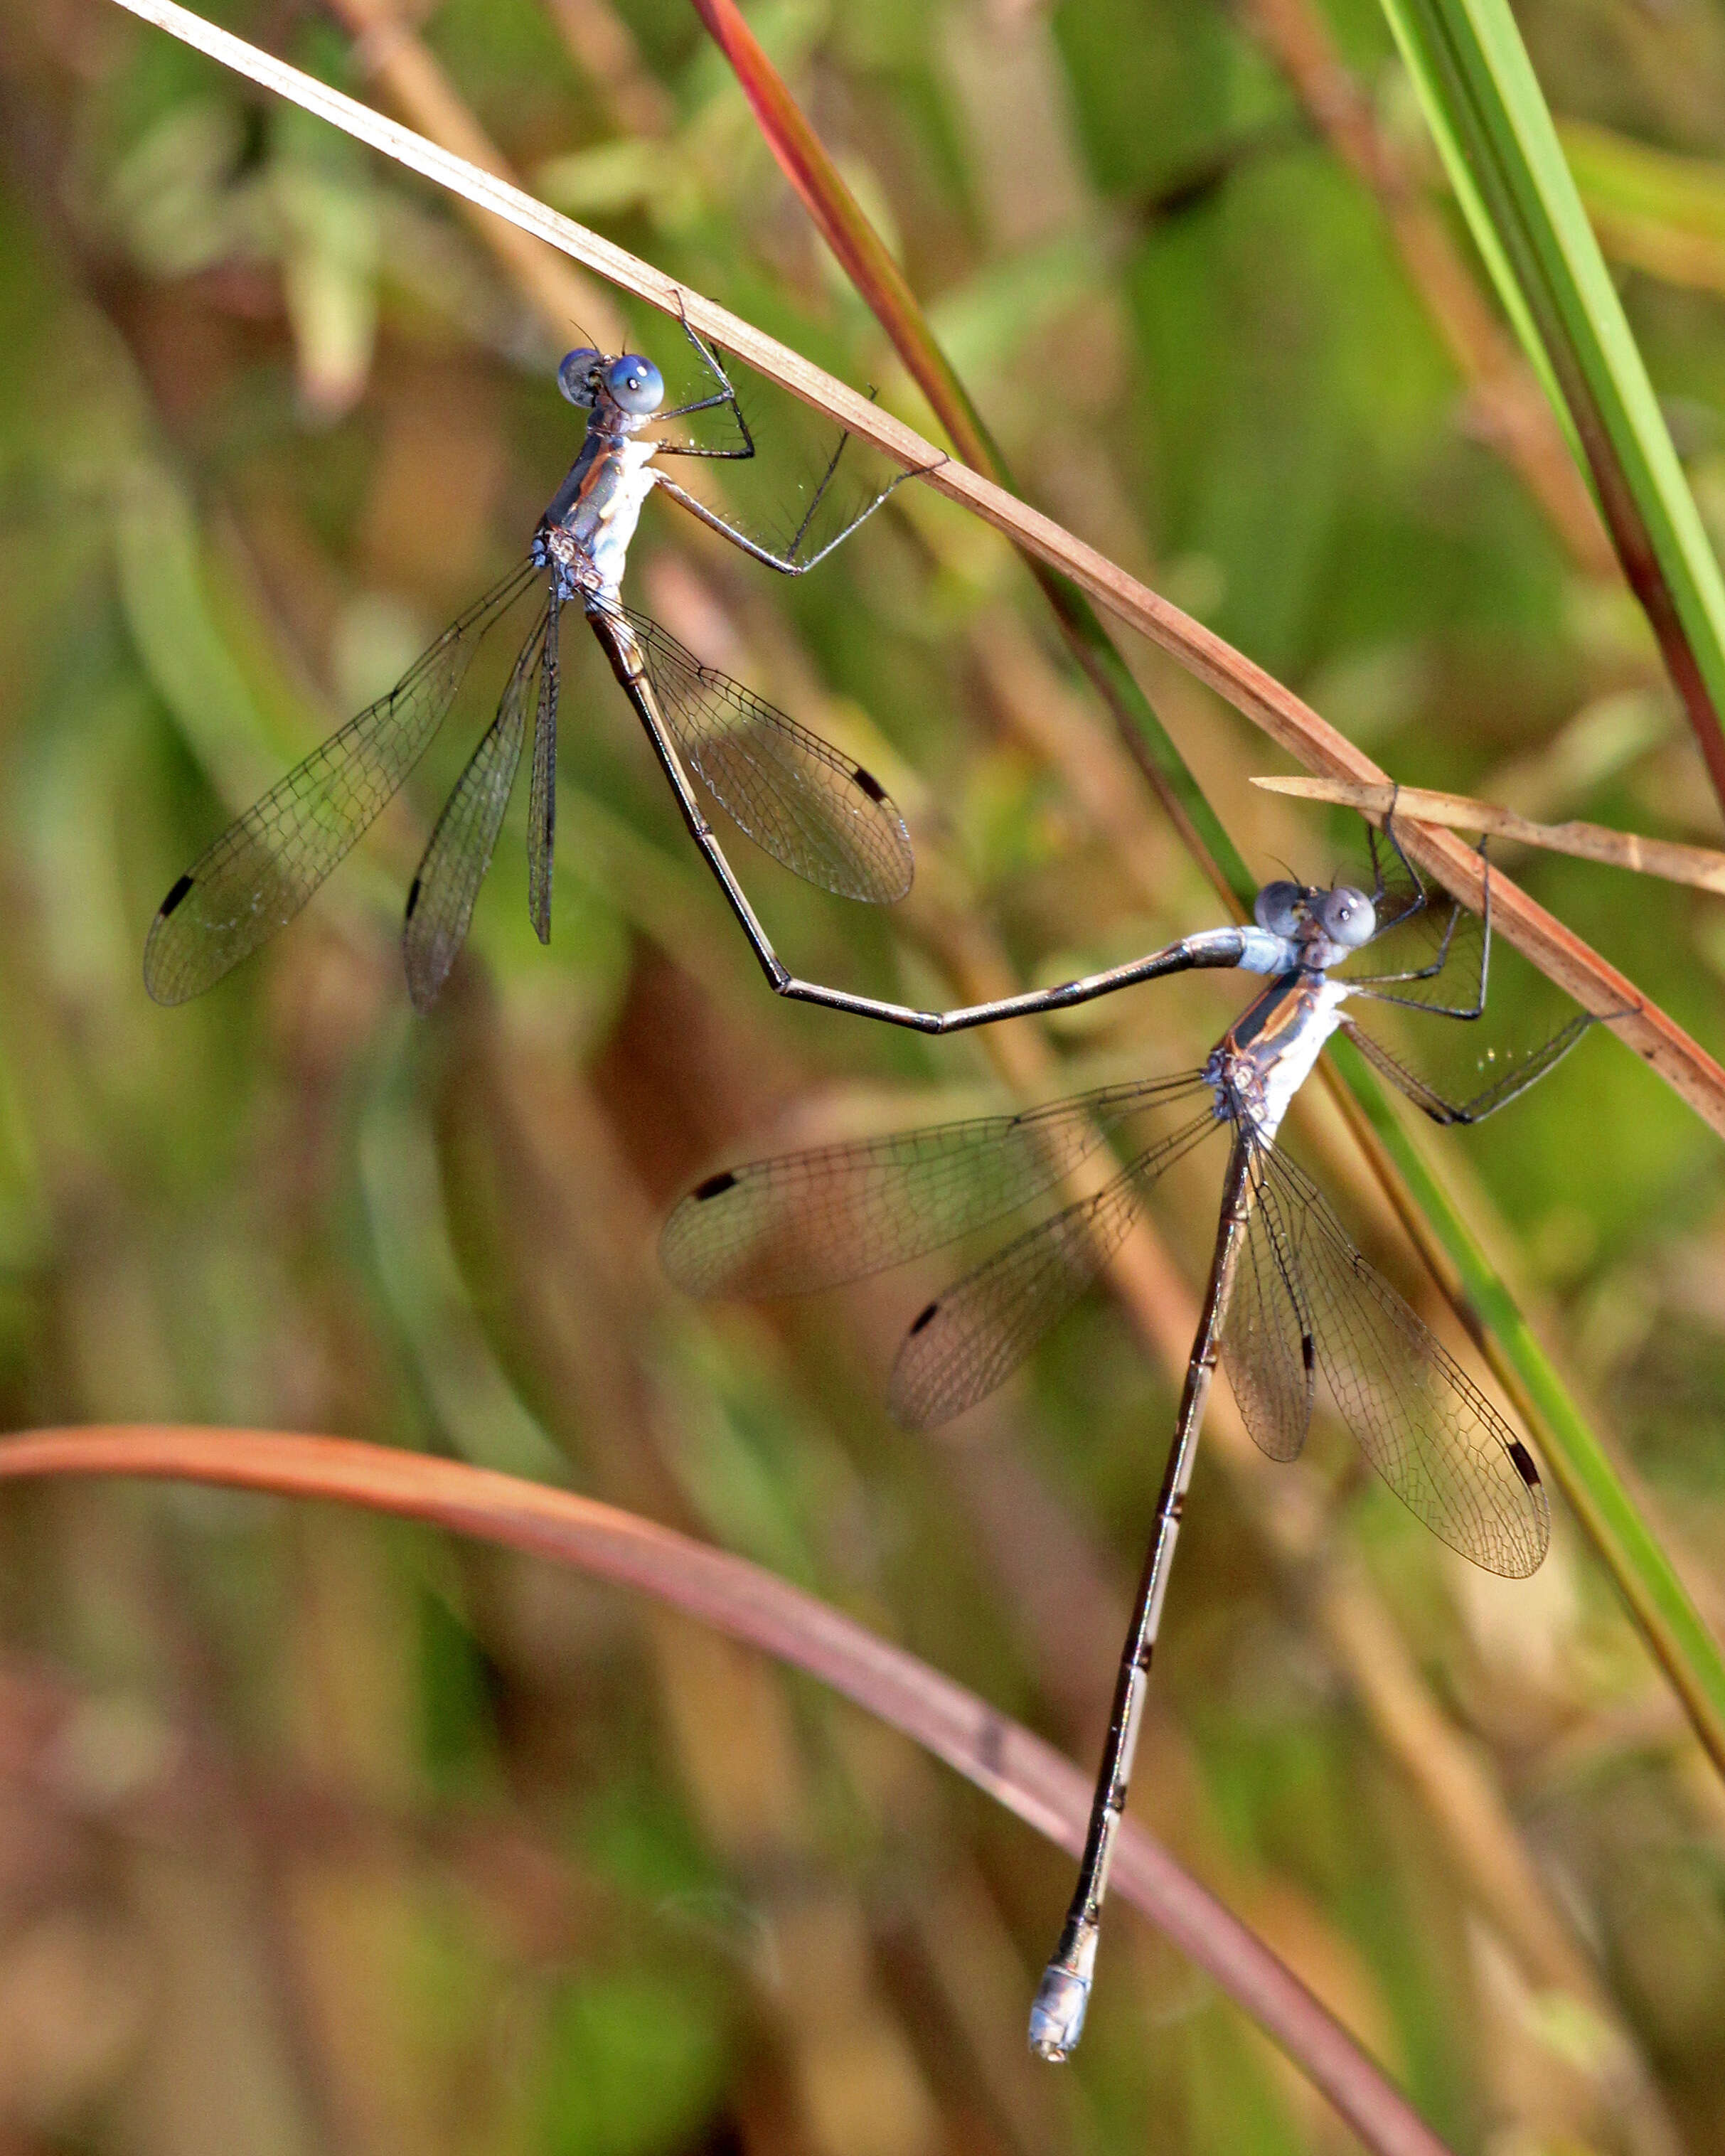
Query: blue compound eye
[1347,917]
[635,385]
[1277,908]
[575,374]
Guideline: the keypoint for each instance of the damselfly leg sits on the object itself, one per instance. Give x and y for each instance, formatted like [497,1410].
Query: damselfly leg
[789,561]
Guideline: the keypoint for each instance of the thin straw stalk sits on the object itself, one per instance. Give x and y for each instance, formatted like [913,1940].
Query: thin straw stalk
[840,218]
[1699,866]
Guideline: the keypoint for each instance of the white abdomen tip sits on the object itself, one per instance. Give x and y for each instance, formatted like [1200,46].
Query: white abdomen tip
[1057,2017]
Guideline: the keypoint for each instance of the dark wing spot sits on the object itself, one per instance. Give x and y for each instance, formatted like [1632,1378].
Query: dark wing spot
[175,896]
[1524,1460]
[1308,1352]
[413,897]
[869,784]
[715,1185]
[923,1319]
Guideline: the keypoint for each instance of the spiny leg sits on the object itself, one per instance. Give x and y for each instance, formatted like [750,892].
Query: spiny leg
[1514,1082]
[791,563]
[725,394]
[1368,983]
[1428,972]
[1419,903]
[1421,899]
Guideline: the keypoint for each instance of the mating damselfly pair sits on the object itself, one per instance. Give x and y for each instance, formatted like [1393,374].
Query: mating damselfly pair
[1288,1297]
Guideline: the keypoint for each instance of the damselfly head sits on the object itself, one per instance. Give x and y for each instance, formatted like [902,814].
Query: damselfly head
[1278,908]
[635,385]
[577,374]
[1345,916]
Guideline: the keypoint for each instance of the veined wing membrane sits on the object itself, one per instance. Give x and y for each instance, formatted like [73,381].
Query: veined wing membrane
[441,900]
[824,817]
[1267,1347]
[542,794]
[1417,1416]
[264,867]
[973,1338]
[813,1219]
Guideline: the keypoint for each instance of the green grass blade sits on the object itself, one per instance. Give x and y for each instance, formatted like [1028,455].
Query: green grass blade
[1500,146]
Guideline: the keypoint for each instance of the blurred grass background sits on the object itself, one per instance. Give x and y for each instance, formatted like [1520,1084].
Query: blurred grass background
[315,1835]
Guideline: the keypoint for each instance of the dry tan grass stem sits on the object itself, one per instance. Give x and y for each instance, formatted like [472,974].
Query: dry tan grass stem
[1698,865]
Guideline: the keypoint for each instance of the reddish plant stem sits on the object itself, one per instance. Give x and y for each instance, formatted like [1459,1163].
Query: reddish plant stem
[1031,1779]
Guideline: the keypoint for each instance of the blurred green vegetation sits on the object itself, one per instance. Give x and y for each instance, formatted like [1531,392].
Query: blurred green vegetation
[318,1834]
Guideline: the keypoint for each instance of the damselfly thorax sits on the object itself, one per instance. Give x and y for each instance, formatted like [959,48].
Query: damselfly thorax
[585,533]
[1267,1054]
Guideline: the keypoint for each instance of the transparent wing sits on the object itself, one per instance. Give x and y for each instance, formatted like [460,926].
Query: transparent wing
[542,798]
[809,1220]
[828,819]
[441,899]
[1421,1420]
[973,1338]
[1267,1345]
[265,866]
[1515,1072]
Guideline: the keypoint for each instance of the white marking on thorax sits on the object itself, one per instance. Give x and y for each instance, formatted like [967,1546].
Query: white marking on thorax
[1293,1067]
[635,481]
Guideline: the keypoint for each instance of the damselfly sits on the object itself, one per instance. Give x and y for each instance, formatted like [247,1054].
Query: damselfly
[818,812]
[1288,1295]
